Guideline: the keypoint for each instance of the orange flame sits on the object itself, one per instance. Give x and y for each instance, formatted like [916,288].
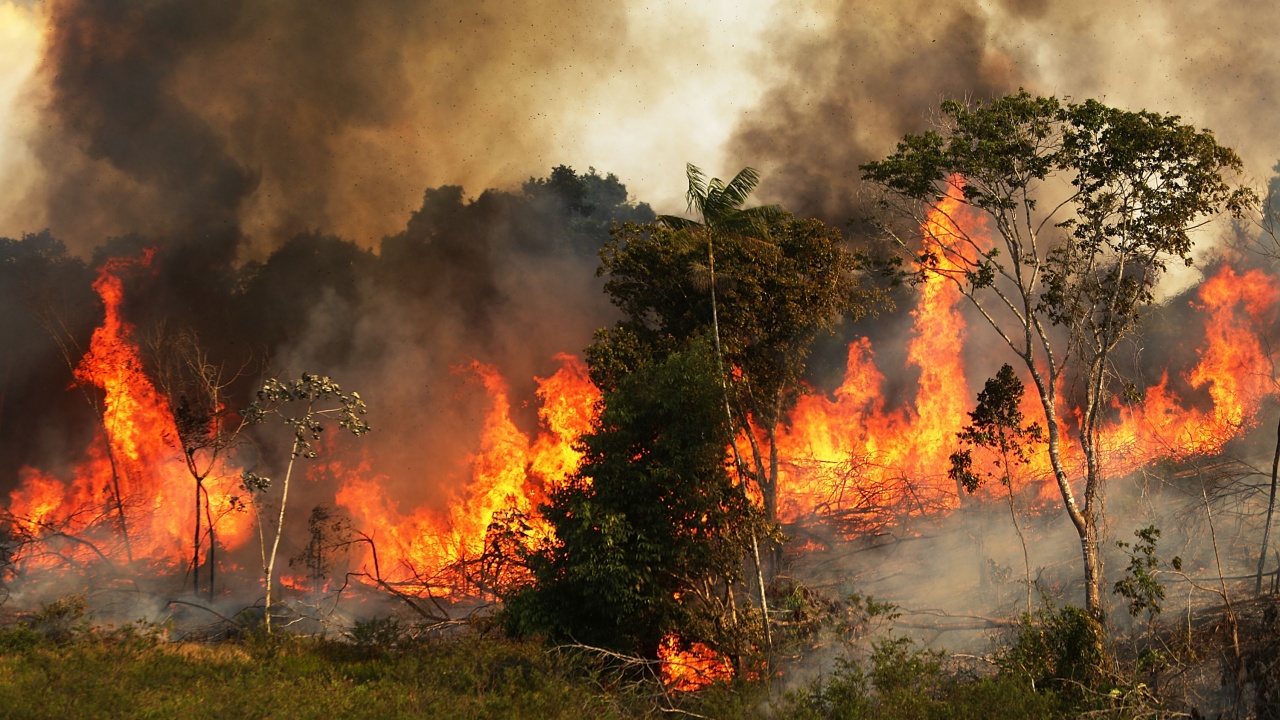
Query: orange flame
[693,668]
[136,465]
[849,457]
[510,472]
[1233,368]
[846,458]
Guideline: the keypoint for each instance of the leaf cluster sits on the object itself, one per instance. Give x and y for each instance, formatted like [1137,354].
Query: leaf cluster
[309,393]
[650,536]
[1140,584]
[996,425]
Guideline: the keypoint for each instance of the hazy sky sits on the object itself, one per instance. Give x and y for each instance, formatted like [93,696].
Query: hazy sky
[297,114]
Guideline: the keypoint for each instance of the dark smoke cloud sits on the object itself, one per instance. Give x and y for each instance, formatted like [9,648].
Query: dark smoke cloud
[127,152]
[855,87]
[185,119]
[872,71]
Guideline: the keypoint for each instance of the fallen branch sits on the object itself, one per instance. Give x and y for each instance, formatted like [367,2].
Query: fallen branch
[211,611]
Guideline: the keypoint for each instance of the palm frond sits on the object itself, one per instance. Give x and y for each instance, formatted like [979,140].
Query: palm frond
[720,204]
[697,192]
[741,186]
[755,221]
[675,222]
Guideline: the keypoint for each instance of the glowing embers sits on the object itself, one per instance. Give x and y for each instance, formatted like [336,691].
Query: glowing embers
[130,497]
[692,668]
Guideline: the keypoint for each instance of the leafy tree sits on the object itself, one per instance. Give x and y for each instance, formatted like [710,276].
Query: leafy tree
[277,297]
[302,404]
[586,205]
[1062,283]
[330,533]
[761,281]
[650,535]
[997,427]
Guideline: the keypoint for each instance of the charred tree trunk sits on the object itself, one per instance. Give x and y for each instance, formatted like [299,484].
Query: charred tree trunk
[1271,506]
[213,540]
[195,544]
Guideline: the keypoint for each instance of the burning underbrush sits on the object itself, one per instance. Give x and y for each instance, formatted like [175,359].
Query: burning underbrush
[170,507]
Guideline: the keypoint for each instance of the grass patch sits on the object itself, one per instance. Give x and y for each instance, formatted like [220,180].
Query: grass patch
[131,674]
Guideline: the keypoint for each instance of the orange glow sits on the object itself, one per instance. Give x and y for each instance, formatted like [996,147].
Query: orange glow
[850,458]
[510,472]
[847,458]
[1233,369]
[569,400]
[691,669]
[138,454]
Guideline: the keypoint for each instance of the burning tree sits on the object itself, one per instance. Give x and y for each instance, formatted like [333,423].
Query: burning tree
[195,389]
[301,404]
[1063,283]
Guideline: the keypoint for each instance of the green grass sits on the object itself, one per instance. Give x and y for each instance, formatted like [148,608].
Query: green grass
[127,674]
[63,668]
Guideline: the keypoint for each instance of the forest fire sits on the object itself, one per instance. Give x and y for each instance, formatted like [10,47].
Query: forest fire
[124,499]
[690,669]
[851,453]
[1234,369]
[509,473]
[846,458]
[926,381]
[849,459]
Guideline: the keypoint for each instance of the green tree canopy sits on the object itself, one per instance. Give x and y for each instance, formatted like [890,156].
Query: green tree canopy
[651,533]
[779,282]
[1084,205]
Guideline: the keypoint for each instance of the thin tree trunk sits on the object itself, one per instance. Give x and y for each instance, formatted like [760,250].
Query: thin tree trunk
[1026,556]
[115,491]
[213,540]
[1091,543]
[1232,621]
[1092,570]
[755,542]
[1271,506]
[771,494]
[275,544]
[195,546]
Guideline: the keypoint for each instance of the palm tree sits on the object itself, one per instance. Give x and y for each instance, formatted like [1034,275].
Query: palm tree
[720,207]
